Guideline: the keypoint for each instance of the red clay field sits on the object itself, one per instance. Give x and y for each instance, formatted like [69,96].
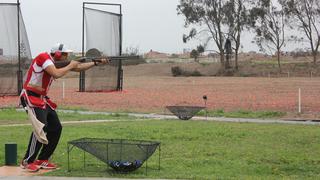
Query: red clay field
[149,88]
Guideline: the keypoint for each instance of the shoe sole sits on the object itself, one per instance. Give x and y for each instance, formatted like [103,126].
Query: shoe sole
[43,167]
[32,170]
[29,170]
[23,167]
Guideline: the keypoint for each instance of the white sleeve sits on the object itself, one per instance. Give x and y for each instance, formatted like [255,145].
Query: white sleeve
[47,63]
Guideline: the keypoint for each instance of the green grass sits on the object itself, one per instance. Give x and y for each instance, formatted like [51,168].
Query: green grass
[194,149]
[243,114]
[12,116]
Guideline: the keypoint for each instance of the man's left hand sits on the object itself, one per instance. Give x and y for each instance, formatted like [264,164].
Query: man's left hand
[104,61]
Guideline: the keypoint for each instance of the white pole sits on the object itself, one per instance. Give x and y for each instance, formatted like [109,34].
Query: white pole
[205,105]
[62,89]
[299,101]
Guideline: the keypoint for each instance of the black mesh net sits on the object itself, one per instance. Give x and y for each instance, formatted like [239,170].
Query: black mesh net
[9,49]
[102,31]
[184,112]
[120,154]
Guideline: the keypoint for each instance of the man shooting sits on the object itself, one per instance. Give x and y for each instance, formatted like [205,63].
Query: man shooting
[40,75]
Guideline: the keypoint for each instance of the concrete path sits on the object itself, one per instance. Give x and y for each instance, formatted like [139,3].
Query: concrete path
[242,120]
[168,117]
[16,173]
[58,178]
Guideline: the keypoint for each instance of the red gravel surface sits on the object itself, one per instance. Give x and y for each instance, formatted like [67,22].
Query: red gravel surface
[148,88]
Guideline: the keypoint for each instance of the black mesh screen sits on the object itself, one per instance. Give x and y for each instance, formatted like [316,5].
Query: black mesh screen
[102,31]
[9,46]
[184,112]
[120,154]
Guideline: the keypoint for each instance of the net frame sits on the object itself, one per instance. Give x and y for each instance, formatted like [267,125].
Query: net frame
[143,145]
[82,77]
[19,74]
[185,112]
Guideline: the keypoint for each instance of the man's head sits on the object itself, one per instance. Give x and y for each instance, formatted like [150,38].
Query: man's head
[59,52]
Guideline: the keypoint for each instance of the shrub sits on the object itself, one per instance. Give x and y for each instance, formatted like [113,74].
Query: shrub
[176,71]
[196,73]
[194,54]
[174,56]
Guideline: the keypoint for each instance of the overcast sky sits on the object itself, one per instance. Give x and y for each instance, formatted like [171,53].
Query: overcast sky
[147,24]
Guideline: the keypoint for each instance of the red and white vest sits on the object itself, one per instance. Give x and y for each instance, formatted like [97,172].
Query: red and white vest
[39,81]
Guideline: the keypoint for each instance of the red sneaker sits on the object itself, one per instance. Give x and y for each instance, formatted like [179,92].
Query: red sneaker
[45,164]
[31,167]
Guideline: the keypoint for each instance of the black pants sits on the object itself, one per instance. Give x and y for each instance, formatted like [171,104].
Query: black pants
[52,129]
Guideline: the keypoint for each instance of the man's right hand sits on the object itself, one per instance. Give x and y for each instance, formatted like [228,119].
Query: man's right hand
[57,73]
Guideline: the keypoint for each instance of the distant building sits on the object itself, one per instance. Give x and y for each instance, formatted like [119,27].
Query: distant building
[155,54]
[1,52]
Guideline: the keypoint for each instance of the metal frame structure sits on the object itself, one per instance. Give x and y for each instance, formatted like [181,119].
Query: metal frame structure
[19,72]
[71,146]
[120,70]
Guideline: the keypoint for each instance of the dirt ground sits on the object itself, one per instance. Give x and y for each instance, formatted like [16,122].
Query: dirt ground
[150,87]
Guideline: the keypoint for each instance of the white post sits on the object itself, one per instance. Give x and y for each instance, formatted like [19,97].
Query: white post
[288,74]
[299,101]
[62,89]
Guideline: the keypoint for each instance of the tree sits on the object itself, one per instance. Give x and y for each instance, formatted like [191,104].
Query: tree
[306,15]
[192,33]
[269,21]
[200,49]
[228,50]
[236,17]
[194,54]
[208,13]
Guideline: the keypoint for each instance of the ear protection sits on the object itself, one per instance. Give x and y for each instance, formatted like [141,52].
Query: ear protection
[58,54]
